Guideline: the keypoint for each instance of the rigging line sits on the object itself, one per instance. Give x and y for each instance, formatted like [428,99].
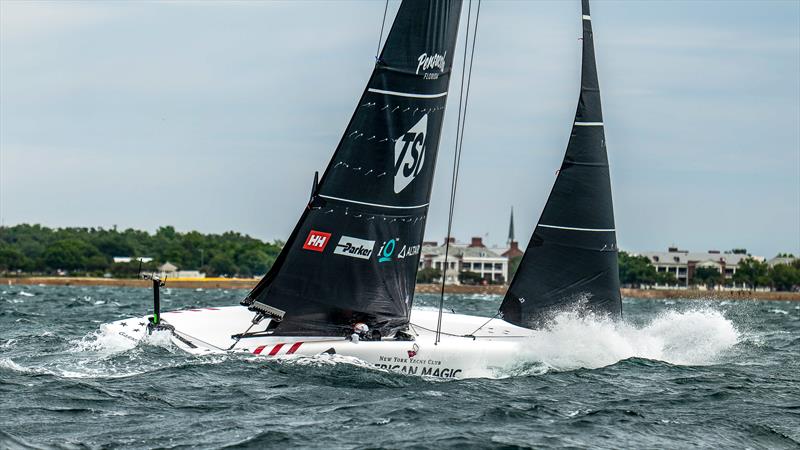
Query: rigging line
[452,181]
[466,96]
[380,37]
[485,323]
[460,126]
[416,325]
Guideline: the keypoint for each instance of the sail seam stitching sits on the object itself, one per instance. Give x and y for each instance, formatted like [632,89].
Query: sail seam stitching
[406,94]
[372,204]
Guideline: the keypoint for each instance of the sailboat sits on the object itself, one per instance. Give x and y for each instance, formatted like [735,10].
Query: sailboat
[344,281]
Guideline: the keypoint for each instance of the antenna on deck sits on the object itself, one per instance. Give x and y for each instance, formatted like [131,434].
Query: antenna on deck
[154,322]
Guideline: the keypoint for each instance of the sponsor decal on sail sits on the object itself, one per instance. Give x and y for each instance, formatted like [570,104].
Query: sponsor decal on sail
[354,247]
[317,241]
[409,154]
[426,62]
[387,250]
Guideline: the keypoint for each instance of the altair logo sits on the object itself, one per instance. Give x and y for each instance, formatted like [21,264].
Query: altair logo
[409,154]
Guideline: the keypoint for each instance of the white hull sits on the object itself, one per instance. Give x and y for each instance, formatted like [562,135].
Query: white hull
[210,330]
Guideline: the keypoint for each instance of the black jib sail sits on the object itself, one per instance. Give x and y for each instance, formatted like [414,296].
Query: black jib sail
[571,260]
[353,255]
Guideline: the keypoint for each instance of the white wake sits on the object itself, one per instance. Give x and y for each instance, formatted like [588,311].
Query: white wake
[695,337]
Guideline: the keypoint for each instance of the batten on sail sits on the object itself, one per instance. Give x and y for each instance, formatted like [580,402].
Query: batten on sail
[571,259]
[353,255]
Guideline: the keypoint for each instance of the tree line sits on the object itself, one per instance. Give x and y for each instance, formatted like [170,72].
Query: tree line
[637,271]
[34,249]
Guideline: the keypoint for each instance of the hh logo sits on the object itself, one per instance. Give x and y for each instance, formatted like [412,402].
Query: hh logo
[316,241]
[409,154]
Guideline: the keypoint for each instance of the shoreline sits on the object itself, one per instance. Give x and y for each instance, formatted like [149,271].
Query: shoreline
[248,283]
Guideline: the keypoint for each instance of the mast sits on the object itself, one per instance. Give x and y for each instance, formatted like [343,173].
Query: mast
[354,253]
[571,259]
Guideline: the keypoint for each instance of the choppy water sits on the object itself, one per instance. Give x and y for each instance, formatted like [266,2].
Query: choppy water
[673,375]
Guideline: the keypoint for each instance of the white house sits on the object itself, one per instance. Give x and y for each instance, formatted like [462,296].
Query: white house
[682,263]
[472,257]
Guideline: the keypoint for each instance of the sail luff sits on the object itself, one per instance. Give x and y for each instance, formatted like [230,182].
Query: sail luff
[571,258]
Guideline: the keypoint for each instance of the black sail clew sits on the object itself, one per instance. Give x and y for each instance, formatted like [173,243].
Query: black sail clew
[353,255]
[571,260]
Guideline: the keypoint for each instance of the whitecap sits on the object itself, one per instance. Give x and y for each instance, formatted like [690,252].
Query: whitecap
[25,294]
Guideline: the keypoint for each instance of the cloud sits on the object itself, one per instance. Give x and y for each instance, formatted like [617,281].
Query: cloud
[225,110]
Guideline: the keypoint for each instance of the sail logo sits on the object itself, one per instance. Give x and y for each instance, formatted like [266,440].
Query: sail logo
[354,247]
[317,241]
[386,251]
[409,154]
[434,61]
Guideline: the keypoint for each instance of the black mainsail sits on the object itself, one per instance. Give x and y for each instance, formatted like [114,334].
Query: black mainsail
[353,255]
[571,259]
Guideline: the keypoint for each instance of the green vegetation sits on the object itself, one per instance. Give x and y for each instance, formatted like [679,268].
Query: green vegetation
[637,271]
[34,249]
[428,275]
[708,276]
[781,277]
[38,250]
[471,278]
[513,265]
[752,273]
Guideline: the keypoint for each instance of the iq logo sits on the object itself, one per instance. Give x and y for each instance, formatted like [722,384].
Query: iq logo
[386,251]
[316,241]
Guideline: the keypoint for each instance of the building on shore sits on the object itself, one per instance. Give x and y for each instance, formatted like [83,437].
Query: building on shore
[169,270]
[781,260]
[683,263]
[129,259]
[473,257]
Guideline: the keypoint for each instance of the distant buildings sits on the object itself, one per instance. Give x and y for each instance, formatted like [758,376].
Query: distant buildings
[781,260]
[682,263]
[473,257]
[169,270]
[127,259]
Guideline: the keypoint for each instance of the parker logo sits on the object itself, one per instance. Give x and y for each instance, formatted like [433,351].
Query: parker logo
[354,247]
[434,61]
[409,154]
[316,241]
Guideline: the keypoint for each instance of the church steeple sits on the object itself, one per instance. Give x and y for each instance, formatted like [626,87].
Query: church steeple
[511,228]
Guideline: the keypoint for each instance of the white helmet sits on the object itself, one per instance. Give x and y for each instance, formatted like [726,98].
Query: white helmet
[360,328]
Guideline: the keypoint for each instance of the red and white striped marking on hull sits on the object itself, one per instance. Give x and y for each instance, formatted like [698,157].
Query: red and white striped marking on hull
[276,349]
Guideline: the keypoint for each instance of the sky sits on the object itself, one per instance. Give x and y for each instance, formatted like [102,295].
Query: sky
[213,116]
